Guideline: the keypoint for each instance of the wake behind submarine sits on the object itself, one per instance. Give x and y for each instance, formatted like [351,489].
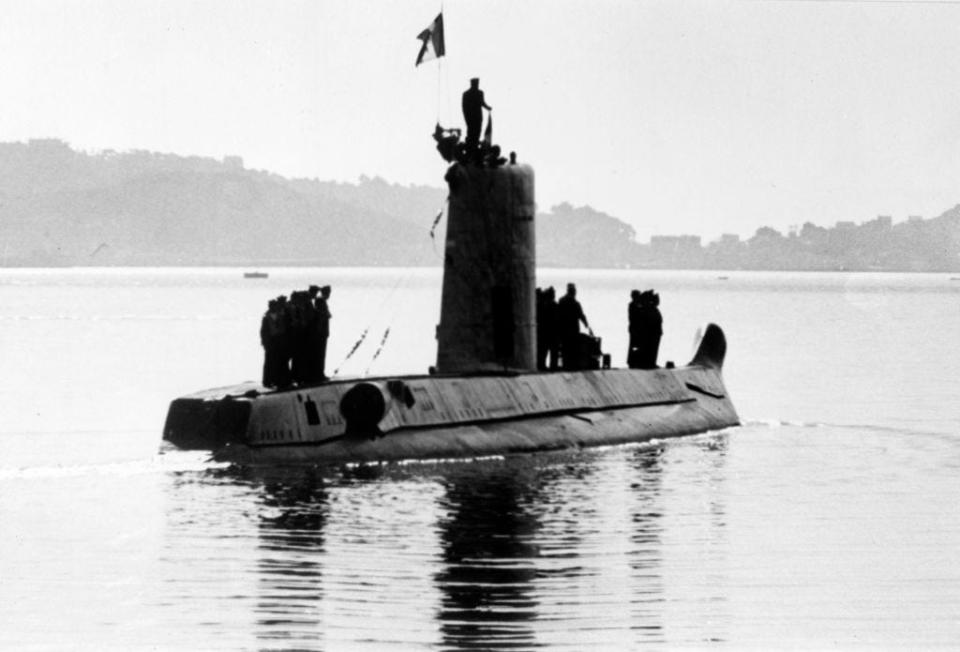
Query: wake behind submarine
[485,396]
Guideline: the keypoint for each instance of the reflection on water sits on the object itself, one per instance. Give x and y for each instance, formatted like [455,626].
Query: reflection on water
[563,550]
[291,549]
[645,542]
[754,538]
[489,538]
[612,549]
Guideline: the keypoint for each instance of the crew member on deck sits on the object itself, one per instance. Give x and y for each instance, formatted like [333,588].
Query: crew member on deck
[553,336]
[634,318]
[569,316]
[311,370]
[473,105]
[272,337]
[541,330]
[302,318]
[322,330]
[649,331]
[448,141]
[546,328]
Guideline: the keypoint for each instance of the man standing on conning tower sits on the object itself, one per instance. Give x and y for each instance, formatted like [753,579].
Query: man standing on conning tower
[473,106]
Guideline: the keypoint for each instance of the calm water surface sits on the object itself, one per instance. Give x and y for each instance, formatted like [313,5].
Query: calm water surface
[828,520]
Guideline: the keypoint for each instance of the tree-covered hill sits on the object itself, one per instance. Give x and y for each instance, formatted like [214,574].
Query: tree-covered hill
[59,206]
[63,207]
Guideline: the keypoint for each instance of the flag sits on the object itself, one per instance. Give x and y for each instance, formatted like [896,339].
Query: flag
[432,37]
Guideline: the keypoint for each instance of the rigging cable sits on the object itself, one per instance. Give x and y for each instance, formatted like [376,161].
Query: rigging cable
[401,281]
[443,80]
[356,346]
[376,355]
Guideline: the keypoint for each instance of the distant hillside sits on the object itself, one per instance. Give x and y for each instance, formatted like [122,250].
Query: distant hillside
[584,237]
[63,207]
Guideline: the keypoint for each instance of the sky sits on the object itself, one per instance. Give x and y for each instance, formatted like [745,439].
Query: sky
[701,117]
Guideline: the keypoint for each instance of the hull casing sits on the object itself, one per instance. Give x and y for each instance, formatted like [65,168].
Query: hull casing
[454,416]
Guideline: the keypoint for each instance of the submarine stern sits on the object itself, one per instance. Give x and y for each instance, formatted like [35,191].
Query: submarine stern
[208,420]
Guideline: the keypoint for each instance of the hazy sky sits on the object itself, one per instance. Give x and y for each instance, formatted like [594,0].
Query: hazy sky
[696,117]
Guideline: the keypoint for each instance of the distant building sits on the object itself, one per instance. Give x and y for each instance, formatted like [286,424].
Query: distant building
[727,244]
[884,221]
[845,224]
[53,143]
[50,146]
[672,245]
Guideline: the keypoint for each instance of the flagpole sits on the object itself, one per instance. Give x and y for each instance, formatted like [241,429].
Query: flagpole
[440,70]
[439,88]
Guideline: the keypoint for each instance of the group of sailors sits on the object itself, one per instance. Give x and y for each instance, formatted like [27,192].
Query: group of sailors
[646,328]
[561,345]
[294,334]
[558,332]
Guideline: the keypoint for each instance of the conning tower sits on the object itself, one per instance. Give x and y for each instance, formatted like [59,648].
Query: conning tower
[488,306]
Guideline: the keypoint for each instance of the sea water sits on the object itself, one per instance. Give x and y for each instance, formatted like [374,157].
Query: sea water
[828,520]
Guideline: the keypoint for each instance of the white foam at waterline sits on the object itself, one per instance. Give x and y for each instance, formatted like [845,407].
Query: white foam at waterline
[160,463]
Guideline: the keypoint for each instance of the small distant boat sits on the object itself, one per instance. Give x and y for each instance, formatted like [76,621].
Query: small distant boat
[255,275]
[723,278]
[955,278]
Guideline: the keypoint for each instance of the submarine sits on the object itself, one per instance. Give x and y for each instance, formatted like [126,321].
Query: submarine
[485,396]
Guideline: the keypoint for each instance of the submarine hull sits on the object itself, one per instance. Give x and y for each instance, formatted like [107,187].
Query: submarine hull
[455,416]
[535,434]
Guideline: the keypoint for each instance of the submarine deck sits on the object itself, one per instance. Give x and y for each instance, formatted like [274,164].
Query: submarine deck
[450,416]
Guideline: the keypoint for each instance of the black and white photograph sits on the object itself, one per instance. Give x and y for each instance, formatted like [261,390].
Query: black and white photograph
[554,325]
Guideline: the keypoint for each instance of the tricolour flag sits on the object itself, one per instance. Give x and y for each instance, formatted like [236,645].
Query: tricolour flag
[432,37]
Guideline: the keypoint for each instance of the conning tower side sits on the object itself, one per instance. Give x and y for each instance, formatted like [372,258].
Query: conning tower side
[487,313]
